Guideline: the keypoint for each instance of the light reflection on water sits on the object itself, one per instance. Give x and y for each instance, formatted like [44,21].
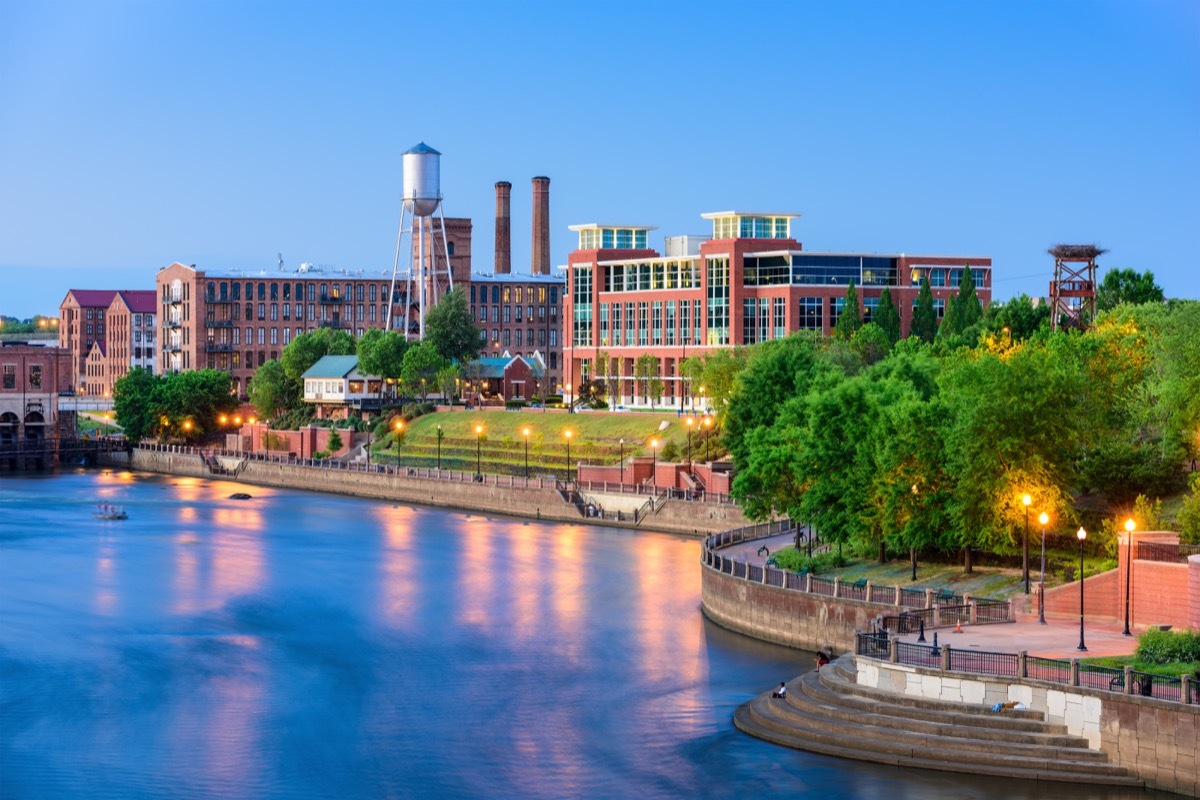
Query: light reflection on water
[296,645]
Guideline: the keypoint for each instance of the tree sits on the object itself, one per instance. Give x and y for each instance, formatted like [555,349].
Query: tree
[1019,317]
[965,309]
[420,367]
[870,343]
[887,317]
[850,320]
[1126,286]
[1189,515]
[381,354]
[924,322]
[691,372]
[450,328]
[718,375]
[133,402]
[271,391]
[335,441]
[644,369]
[309,348]
[447,380]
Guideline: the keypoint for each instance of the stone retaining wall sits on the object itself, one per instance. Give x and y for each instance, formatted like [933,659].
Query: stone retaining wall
[1156,740]
[795,619]
[518,501]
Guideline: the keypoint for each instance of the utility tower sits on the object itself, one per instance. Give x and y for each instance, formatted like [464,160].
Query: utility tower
[1073,290]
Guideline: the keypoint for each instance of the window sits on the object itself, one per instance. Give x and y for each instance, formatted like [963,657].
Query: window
[582,322]
[373,296]
[656,322]
[495,293]
[507,314]
[780,317]
[274,336]
[553,339]
[262,336]
[262,291]
[718,301]
[10,376]
[870,309]
[835,313]
[518,339]
[810,313]
[749,323]
[495,313]
[275,311]
[274,291]
[643,323]
[262,310]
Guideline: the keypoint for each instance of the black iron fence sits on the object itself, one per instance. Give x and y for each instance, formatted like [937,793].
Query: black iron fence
[1157,551]
[1066,672]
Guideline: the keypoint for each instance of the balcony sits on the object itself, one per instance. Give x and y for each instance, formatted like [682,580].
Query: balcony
[174,323]
[214,299]
[332,323]
[175,298]
[219,323]
[218,347]
[174,347]
[331,299]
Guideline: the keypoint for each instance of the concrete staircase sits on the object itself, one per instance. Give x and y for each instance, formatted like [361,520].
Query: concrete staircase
[827,712]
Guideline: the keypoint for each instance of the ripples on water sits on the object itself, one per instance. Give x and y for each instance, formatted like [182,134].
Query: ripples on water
[303,646]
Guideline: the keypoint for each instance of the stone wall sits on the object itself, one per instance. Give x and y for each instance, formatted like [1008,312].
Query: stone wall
[787,617]
[1157,740]
[518,501]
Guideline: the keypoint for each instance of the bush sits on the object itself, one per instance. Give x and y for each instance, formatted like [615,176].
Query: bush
[794,560]
[321,454]
[1165,647]
[670,452]
[514,404]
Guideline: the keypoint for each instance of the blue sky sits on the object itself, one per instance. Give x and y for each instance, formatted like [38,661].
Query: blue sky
[134,134]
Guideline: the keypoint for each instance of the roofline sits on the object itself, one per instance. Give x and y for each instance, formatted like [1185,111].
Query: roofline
[715,214]
[589,226]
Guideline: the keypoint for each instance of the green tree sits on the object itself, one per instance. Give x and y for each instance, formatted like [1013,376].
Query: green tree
[645,369]
[1189,515]
[870,343]
[924,322]
[887,316]
[271,391]
[1127,286]
[134,404]
[309,348]
[420,367]
[850,320]
[450,328]
[1019,317]
[335,441]
[381,354]
[965,309]
[718,375]
[447,380]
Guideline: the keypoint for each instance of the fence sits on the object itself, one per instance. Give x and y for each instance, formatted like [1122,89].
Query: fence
[1067,672]
[1158,551]
[934,608]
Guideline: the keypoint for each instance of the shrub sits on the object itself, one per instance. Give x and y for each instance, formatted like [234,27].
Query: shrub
[670,452]
[514,404]
[794,560]
[1165,647]
[321,454]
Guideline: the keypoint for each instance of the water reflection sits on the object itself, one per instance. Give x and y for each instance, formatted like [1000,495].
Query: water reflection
[296,645]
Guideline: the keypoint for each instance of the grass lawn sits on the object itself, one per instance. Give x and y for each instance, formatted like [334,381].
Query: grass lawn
[1173,670]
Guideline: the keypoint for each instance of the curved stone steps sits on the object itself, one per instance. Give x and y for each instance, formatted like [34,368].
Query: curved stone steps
[845,681]
[827,713]
[850,695]
[813,701]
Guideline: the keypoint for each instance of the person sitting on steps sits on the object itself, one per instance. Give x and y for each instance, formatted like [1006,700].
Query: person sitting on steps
[822,659]
[781,692]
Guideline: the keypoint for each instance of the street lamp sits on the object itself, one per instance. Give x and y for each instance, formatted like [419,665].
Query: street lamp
[1129,526]
[622,462]
[1082,534]
[1042,518]
[526,432]
[570,401]
[1026,500]
[707,433]
[912,551]
[478,445]
[654,462]
[690,421]
[252,420]
[567,472]
[439,438]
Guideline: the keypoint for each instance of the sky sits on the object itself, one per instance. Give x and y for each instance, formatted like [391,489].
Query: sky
[221,133]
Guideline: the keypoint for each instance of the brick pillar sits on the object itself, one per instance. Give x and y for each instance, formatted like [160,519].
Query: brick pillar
[503,228]
[540,263]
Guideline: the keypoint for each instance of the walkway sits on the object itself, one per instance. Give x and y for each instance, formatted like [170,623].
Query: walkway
[1055,639]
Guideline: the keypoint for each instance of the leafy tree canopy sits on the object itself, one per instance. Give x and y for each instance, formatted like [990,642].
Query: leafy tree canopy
[450,328]
[1127,286]
[850,320]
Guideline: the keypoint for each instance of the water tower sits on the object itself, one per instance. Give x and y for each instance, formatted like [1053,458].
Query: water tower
[422,197]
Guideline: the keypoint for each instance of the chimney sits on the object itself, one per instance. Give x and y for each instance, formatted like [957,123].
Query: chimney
[540,263]
[503,229]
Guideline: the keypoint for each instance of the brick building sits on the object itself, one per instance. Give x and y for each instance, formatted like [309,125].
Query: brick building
[107,332]
[518,315]
[236,320]
[747,283]
[31,378]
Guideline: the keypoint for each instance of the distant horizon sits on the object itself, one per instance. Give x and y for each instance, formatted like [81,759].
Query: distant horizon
[938,128]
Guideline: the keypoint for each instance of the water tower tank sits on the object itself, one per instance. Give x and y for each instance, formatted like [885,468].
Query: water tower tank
[422,180]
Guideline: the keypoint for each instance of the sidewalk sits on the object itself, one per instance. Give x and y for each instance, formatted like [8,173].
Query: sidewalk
[1055,639]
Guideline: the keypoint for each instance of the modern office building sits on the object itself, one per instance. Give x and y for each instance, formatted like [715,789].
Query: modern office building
[107,332]
[236,320]
[749,282]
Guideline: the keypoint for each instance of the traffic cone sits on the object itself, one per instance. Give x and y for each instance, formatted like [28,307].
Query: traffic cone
[958,626]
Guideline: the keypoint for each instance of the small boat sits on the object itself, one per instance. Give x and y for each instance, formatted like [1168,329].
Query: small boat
[109,511]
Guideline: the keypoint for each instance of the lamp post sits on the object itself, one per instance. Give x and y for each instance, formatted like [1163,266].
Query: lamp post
[478,451]
[567,472]
[1042,518]
[1129,526]
[1082,534]
[707,433]
[622,462]
[654,462]
[252,437]
[526,432]
[912,551]
[570,401]
[689,438]
[1026,500]
[439,450]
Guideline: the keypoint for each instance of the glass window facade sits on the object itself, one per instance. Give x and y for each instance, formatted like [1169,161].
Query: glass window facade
[582,304]
[718,301]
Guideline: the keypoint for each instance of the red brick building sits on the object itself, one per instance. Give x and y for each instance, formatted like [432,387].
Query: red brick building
[107,332]
[31,378]
[749,282]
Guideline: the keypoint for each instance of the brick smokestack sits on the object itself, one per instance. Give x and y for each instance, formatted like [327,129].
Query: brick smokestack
[503,227]
[540,263]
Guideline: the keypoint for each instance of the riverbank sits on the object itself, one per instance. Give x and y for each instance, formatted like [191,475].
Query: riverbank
[536,498]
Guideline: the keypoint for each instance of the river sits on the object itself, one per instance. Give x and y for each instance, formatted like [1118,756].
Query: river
[298,645]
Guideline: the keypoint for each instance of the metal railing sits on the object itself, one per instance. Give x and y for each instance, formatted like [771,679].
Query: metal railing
[1066,672]
[1158,551]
